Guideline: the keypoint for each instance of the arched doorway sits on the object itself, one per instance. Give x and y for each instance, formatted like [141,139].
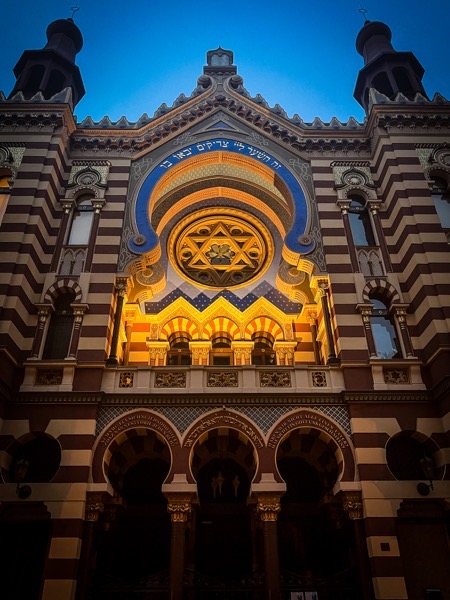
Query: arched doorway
[134,546]
[223,465]
[316,546]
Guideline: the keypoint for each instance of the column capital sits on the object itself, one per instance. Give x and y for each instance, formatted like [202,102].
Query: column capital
[268,506]
[123,285]
[374,205]
[67,204]
[344,205]
[311,314]
[365,310]
[179,506]
[98,204]
[95,505]
[130,312]
[400,311]
[352,504]
[43,311]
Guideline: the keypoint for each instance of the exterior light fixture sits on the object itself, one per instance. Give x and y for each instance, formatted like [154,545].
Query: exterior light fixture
[20,472]
[427,466]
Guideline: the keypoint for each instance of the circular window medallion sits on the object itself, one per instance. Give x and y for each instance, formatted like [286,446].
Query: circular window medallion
[220,249]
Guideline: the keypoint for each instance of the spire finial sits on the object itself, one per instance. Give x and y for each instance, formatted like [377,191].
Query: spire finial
[364,12]
[74,9]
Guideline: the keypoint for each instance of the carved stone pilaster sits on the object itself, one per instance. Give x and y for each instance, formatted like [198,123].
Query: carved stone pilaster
[400,311]
[157,353]
[285,352]
[242,352]
[200,352]
[365,311]
[44,311]
[78,313]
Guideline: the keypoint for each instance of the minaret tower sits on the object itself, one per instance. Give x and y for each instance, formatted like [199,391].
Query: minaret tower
[386,70]
[53,68]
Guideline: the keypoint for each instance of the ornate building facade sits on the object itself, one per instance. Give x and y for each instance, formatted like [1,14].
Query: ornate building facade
[224,340]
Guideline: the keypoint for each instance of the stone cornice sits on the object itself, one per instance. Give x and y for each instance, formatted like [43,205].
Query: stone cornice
[134,142]
[232,399]
[36,118]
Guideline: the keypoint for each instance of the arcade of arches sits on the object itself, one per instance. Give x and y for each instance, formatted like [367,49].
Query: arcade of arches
[253,518]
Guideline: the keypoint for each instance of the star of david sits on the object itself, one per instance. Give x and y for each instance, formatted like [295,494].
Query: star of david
[218,252]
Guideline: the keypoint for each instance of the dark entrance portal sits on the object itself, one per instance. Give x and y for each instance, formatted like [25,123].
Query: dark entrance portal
[223,536]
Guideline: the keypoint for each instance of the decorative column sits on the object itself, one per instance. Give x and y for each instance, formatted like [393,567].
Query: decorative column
[67,209]
[344,206]
[374,207]
[285,352]
[323,288]
[352,504]
[78,313]
[94,507]
[43,314]
[157,353]
[366,313]
[179,507]
[312,316]
[399,311]
[121,287]
[97,205]
[130,315]
[200,352]
[268,507]
[242,352]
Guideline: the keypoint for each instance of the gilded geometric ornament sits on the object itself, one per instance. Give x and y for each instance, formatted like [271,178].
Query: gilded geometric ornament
[221,250]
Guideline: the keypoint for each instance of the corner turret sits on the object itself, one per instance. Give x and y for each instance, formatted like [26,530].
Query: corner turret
[53,68]
[386,70]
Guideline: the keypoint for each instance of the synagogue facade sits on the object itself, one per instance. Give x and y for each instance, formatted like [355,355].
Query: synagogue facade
[224,340]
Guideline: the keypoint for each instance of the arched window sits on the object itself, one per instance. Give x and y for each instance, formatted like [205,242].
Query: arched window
[56,83]
[384,332]
[360,223]
[381,83]
[221,353]
[441,199]
[33,85]
[403,81]
[179,353]
[263,353]
[5,189]
[81,222]
[60,328]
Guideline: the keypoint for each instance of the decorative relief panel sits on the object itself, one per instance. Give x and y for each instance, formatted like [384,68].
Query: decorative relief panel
[275,379]
[172,379]
[396,376]
[319,379]
[222,379]
[49,377]
[11,157]
[126,379]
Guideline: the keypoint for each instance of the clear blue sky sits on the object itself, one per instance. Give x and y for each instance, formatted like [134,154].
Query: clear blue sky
[301,55]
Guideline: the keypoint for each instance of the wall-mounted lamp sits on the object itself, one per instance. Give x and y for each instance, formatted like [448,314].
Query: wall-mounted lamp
[427,466]
[20,472]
